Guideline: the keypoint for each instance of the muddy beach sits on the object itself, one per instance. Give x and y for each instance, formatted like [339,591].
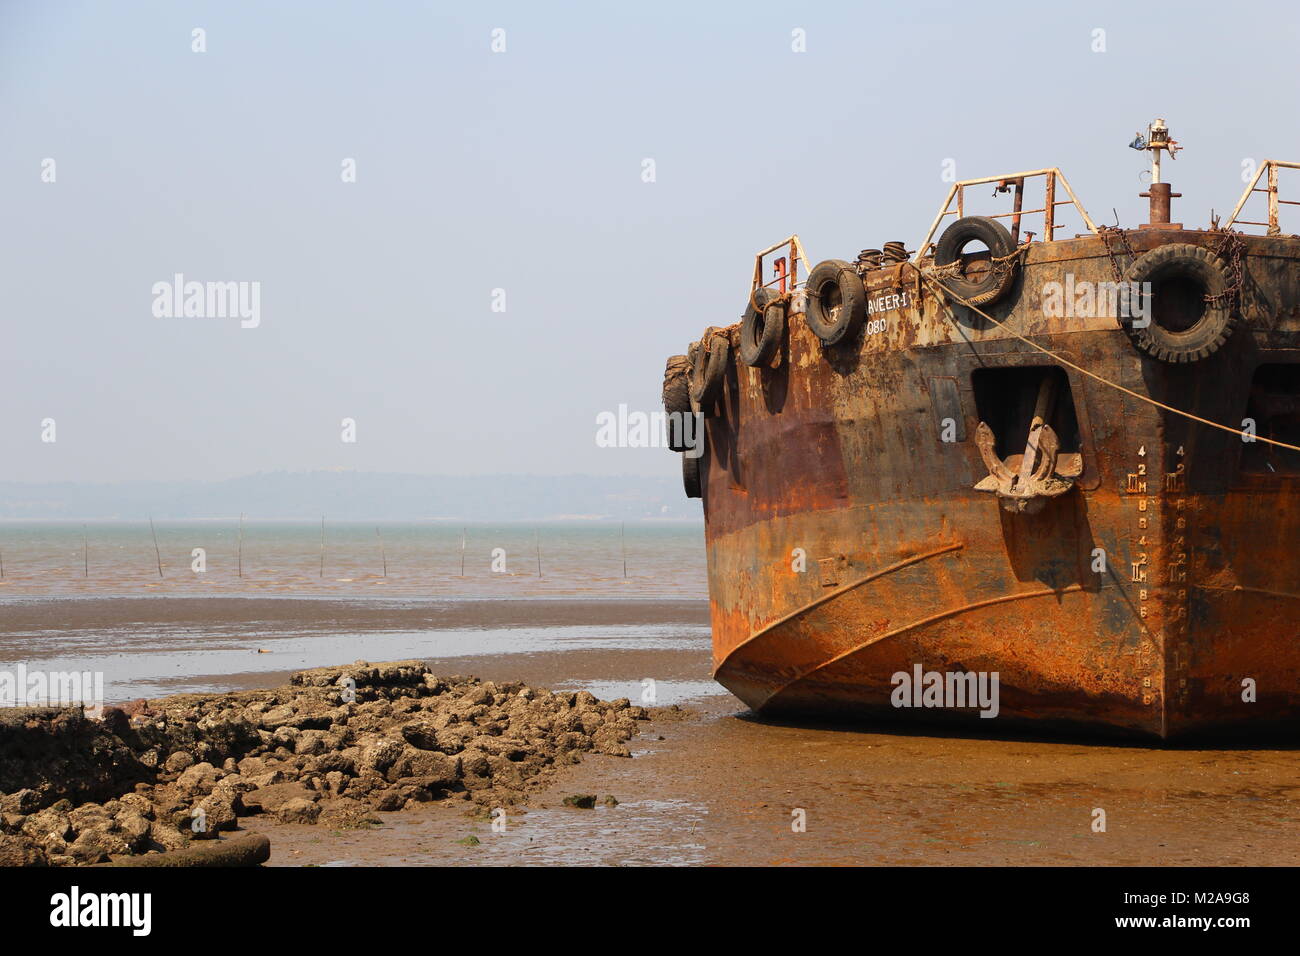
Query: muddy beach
[708,783]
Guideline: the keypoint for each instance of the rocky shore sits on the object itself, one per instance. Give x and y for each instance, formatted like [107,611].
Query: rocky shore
[331,747]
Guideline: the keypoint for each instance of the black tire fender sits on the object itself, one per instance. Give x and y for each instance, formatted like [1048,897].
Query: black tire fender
[1211,330]
[761,328]
[708,368]
[677,398]
[691,476]
[997,282]
[837,301]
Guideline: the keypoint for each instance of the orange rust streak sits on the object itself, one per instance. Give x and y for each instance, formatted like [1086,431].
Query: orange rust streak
[951,612]
[829,595]
[1240,587]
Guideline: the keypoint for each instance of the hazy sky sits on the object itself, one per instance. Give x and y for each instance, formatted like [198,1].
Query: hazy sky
[523,171]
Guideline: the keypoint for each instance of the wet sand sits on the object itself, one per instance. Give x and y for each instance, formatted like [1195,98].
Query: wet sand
[721,784]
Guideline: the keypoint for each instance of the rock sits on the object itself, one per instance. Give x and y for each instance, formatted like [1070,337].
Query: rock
[381,755]
[474,763]
[270,799]
[169,838]
[609,740]
[135,829]
[220,809]
[441,769]
[115,721]
[506,773]
[276,716]
[506,747]
[336,761]
[228,734]
[452,739]
[572,741]
[292,753]
[89,816]
[198,780]
[48,821]
[15,851]
[54,847]
[94,846]
[394,798]
[235,783]
[139,803]
[421,734]
[23,801]
[268,779]
[297,810]
[61,754]
[311,742]
[365,783]
[138,708]
[252,767]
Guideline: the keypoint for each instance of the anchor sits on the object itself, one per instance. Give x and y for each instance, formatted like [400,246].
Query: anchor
[1024,482]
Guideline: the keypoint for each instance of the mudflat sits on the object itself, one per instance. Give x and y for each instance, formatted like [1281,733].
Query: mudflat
[711,783]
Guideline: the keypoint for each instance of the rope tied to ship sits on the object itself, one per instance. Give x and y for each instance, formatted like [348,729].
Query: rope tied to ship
[997,264]
[945,293]
[812,293]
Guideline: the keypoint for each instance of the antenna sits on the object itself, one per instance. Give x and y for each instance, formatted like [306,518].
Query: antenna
[1158,141]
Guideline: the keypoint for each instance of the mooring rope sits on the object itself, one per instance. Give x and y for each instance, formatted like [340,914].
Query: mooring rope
[1093,375]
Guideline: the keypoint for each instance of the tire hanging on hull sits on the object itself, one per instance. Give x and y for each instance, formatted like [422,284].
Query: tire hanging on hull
[708,368]
[761,328]
[691,476]
[837,302]
[1203,274]
[677,399]
[993,285]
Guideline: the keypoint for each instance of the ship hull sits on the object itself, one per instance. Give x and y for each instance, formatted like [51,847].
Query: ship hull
[1159,597]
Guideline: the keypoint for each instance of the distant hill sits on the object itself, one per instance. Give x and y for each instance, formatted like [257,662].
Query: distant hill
[344,495]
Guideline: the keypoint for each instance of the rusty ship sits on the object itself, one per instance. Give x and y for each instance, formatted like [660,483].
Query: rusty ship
[1071,462]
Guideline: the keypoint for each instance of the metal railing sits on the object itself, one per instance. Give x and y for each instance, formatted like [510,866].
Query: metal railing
[1009,183]
[1271,166]
[785,270]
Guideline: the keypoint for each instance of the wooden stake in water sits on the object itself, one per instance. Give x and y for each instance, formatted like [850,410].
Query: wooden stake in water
[537,541]
[622,537]
[156,553]
[85,552]
[322,546]
[462,552]
[241,544]
[382,553]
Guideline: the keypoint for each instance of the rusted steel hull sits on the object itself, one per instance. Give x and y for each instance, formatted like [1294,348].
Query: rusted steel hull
[837,454]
